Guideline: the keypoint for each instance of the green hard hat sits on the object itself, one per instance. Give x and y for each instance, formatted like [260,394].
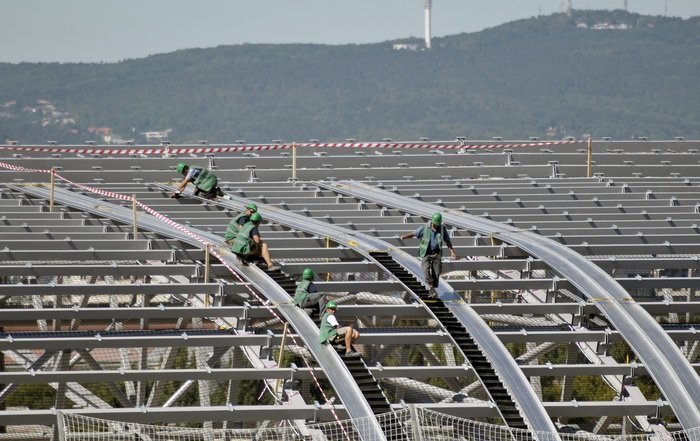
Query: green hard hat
[308,274]
[255,217]
[181,167]
[331,305]
[437,219]
[252,207]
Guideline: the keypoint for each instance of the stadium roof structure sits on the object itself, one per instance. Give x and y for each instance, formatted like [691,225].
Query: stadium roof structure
[572,305]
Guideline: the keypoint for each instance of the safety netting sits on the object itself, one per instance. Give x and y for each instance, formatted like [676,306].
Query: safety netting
[412,423]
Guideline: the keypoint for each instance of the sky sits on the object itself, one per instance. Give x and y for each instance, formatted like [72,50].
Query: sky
[109,31]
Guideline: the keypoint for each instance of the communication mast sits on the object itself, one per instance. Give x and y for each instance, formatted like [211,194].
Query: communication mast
[566,6]
[428,6]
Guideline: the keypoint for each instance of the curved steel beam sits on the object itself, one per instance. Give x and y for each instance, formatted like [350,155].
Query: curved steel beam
[666,364]
[511,375]
[336,372]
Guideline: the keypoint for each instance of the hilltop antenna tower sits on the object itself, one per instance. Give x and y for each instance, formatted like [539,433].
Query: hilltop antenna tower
[566,7]
[428,6]
[626,6]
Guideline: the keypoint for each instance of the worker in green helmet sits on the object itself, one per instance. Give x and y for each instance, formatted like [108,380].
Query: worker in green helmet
[332,333]
[306,295]
[249,246]
[432,236]
[237,223]
[205,182]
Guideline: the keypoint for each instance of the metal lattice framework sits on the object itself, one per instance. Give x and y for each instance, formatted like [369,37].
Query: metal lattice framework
[574,304]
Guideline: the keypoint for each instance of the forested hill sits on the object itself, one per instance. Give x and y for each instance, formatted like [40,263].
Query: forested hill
[595,73]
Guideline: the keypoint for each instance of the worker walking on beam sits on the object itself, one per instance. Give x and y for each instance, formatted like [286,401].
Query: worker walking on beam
[432,236]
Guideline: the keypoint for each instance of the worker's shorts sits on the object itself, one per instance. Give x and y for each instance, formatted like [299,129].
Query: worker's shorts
[340,332]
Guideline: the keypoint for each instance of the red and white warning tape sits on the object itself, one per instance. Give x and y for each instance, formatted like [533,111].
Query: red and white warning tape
[24,169]
[184,150]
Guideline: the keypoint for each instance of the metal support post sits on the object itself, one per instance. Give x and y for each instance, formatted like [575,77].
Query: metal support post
[279,358]
[207,270]
[294,161]
[415,422]
[53,187]
[133,216]
[328,245]
[589,159]
[60,430]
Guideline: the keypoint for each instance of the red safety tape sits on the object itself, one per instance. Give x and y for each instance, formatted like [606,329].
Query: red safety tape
[207,246]
[243,148]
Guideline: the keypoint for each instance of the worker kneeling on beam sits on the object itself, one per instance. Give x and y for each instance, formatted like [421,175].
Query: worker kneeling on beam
[248,245]
[238,222]
[205,182]
[332,332]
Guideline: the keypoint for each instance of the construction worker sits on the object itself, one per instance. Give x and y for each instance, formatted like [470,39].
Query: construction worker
[332,332]
[203,180]
[307,295]
[248,244]
[432,236]
[237,223]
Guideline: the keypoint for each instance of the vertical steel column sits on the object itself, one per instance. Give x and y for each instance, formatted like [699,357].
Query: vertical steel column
[589,157]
